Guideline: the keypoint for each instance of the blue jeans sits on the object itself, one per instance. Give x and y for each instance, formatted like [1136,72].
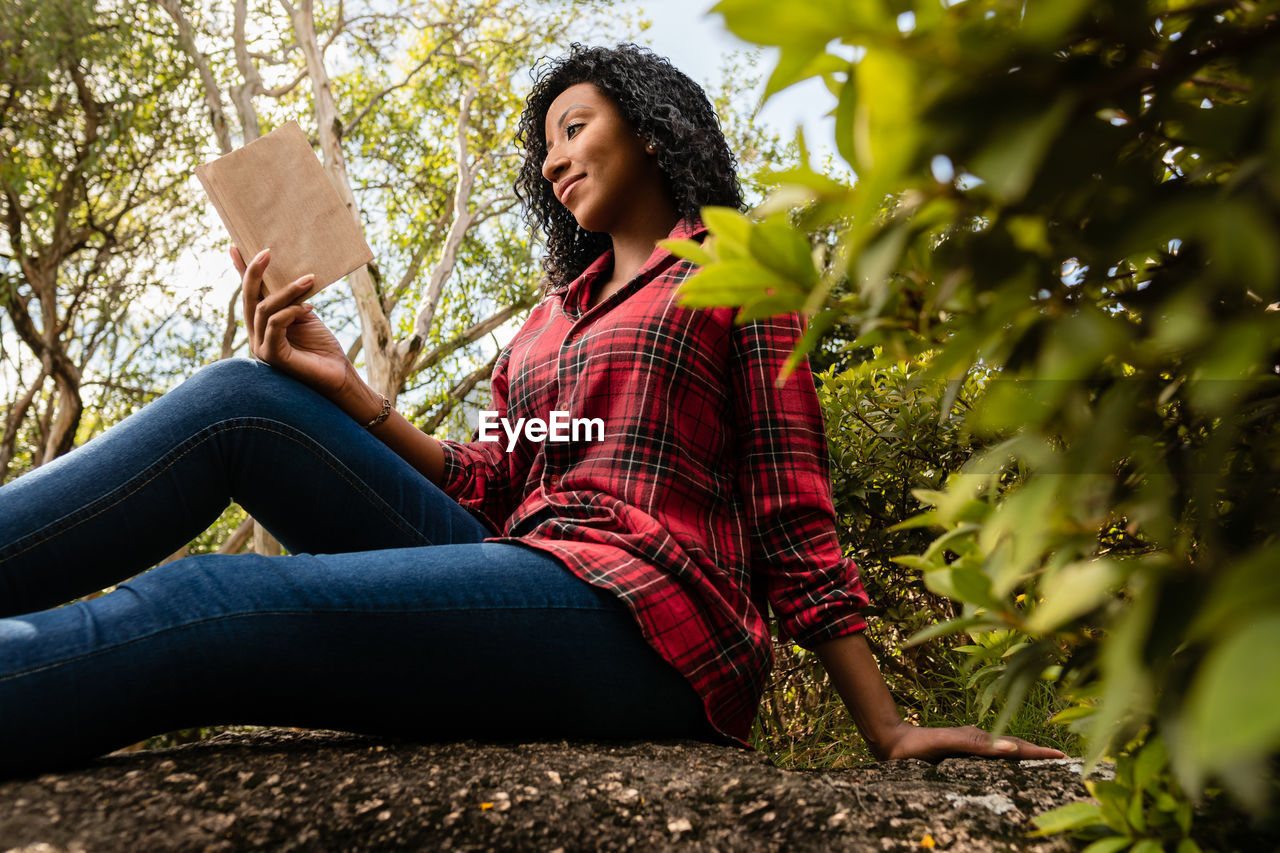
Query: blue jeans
[391,617]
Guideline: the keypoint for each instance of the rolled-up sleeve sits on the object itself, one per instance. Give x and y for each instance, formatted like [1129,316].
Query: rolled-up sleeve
[477,474]
[785,482]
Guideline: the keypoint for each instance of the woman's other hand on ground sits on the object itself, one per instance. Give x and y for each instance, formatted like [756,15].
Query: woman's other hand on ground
[853,670]
[934,744]
[291,338]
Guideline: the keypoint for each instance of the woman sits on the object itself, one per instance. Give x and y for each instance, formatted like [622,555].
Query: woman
[613,585]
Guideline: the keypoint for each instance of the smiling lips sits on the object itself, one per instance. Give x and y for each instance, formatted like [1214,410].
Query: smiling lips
[562,191]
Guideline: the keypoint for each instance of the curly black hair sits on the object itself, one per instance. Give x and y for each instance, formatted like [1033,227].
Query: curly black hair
[663,105]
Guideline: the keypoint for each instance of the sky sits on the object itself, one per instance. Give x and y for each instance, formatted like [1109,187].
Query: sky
[696,43]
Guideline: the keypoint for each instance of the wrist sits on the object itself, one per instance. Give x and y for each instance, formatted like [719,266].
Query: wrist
[356,398]
[883,740]
[384,412]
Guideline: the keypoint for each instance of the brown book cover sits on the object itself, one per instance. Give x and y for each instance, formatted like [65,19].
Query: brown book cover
[273,193]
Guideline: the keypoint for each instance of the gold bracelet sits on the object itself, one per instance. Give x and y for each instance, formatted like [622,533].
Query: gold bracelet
[381,416]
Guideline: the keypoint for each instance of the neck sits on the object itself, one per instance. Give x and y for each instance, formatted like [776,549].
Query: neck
[632,247]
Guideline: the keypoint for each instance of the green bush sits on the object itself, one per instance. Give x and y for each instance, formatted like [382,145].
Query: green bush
[1080,201]
[889,436]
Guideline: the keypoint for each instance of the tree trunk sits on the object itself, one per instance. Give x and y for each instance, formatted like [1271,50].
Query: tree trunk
[264,543]
[62,432]
[382,373]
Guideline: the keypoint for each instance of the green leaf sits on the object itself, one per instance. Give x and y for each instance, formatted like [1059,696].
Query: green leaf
[785,250]
[800,62]
[1073,591]
[1148,845]
[974,587]
[1111,844]
[759,308]
[922,564]
[731,228]
[1076,712]
[731,283]
[949,539]
[1249,585]
[801,22]
[940,582]
[1024,670]
[929,518]
[813,333]
[1135,815]
[1009,162]
[1242,240]
[1114,800]
[846,106]
[1183,816]
[876,261]
[951,626]
[1068,817]
[1231,713]
[690,250]
[1150,762]
[1047,21]
[885,132]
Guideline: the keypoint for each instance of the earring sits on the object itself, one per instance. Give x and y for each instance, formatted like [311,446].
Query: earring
[650,147]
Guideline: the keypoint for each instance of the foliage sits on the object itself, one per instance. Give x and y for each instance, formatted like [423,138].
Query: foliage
[888,436]
[1140,809]
[95,122]
[1081,198]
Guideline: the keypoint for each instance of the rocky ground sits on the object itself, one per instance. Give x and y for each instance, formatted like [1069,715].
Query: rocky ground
[285,790]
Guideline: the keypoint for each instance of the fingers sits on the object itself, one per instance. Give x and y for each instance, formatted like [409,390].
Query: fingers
[934,744]
[259,308]
[274,347]
[251,289]
[1016,747]
[273,302]
[980,743]
[274,314]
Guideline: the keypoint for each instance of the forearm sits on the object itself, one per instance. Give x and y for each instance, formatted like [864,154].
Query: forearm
[411,444]
[853,671]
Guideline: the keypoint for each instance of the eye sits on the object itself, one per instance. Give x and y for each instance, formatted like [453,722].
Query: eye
[571,130]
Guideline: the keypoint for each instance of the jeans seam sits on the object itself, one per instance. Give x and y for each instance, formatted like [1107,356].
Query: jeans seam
[173,456]
[89,655]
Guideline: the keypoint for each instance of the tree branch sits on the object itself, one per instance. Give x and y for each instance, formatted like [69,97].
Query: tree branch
[212,92]
[457,394]
[471,335]
[462,220]
[378,96]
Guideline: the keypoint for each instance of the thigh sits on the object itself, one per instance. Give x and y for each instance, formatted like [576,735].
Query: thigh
[487,640]
[237,430]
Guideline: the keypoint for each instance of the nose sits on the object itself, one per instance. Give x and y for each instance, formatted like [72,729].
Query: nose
[554,165]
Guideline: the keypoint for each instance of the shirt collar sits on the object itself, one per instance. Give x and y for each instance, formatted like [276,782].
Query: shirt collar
[579,290]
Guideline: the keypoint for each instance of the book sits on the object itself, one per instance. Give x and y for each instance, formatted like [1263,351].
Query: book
[273,193]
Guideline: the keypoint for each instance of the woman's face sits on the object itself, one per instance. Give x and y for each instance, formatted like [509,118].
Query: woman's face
[598,166]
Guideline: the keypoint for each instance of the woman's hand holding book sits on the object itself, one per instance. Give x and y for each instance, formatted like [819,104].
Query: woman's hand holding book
[290,337]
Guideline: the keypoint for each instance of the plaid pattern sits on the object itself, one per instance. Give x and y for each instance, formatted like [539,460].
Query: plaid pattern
[709,495]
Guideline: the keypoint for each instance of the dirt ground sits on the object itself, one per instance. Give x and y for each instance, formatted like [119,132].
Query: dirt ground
[283,790]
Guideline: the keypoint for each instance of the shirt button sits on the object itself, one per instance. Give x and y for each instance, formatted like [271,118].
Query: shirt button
[554,482]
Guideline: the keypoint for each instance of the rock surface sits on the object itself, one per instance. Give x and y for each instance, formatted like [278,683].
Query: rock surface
[284,790]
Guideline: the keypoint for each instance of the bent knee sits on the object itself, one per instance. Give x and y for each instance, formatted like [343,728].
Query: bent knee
[234,372]
[242,387]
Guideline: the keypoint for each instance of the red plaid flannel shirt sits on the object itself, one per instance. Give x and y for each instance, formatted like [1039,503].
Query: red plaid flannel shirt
[709,494]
